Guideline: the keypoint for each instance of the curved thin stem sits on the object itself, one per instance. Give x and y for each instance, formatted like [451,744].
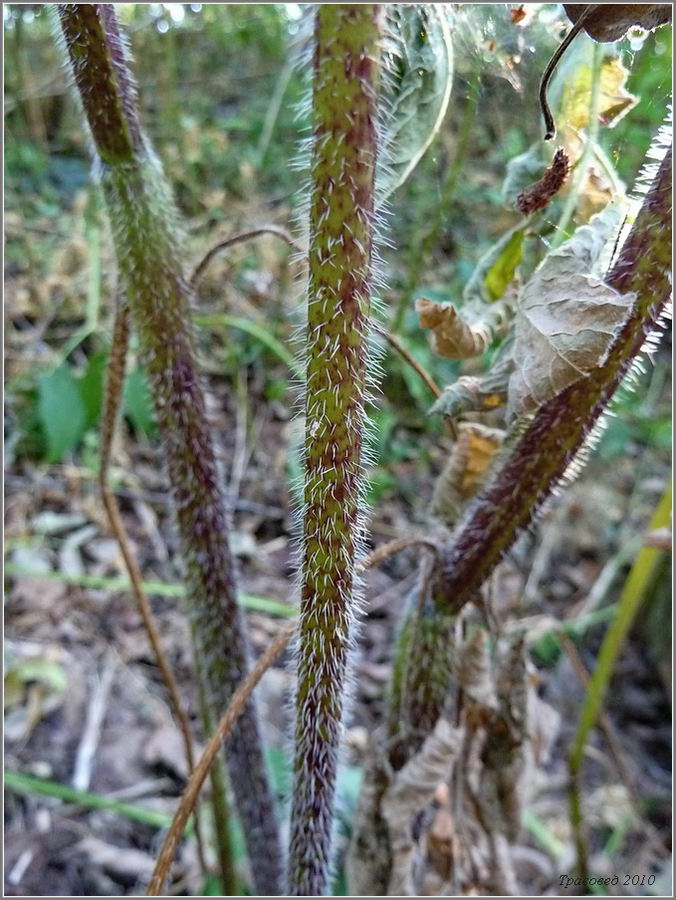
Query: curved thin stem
[277,230]
[588,151]
[192,790]
[386,550]
[111,407]
[405,355]
[550,124]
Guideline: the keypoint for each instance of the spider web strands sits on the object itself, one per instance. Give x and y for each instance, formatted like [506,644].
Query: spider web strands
[150,253]
[341,217]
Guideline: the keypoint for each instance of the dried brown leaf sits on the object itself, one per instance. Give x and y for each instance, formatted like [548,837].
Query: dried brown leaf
[607,22]
[465,470]
[614,100]
[475,673]
[368,863]
[506,753]
[471,394]
[566,321]
[517,14]
[545,724]
[413,789]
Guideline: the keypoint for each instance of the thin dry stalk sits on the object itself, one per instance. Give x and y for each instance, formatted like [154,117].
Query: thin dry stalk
[277,230]
[91,735]
[386,550]
[192,790]
[111,407]
[405,355]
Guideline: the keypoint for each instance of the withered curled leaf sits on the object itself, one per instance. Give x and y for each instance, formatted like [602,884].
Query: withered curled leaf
[566,320]
[454,337]
[413,788]
[472,394]
[474,673]
[506,753]
[517,14]
[614,98]
[604,22]
[465,470]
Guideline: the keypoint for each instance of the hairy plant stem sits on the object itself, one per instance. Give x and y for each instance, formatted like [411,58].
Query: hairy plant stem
[151,260]
[339,293]
[532,467]
[421,675]
[548,443]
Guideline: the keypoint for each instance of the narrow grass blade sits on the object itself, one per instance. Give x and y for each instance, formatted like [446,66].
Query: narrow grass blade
[255,330]
[29,785]
[158,588]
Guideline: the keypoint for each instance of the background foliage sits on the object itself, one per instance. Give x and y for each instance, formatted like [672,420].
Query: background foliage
[223,105]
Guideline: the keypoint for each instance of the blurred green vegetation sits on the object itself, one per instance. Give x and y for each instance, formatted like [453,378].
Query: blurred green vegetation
[224,107]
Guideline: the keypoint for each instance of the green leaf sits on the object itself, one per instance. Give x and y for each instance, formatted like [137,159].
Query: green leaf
[137,402]
[257,331]
[47,672]
[501,273]
[157,588]
[91,387]
[29,785]
[61,412]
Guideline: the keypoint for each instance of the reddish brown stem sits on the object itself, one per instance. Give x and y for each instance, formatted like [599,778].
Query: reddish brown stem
[206,761]
[111,407]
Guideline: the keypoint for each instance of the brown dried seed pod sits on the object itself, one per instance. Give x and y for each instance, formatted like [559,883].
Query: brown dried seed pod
[538,195]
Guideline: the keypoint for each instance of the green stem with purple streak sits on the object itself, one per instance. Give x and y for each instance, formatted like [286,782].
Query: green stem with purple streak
[152,271]
[343,172]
